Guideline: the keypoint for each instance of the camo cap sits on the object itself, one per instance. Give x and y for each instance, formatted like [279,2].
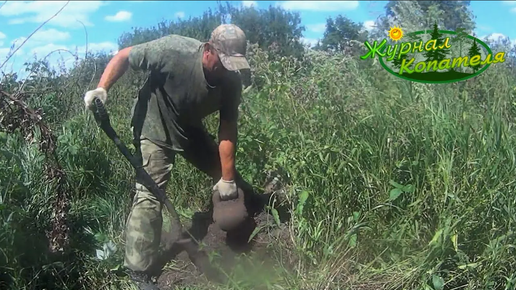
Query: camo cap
[231,44]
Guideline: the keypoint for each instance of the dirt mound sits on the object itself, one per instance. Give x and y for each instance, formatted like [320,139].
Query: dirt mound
[249,250]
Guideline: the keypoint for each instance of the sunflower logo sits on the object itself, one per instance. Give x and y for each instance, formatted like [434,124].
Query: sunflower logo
[395,33]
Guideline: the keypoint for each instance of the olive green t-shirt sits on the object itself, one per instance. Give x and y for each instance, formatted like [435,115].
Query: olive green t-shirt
[176,96]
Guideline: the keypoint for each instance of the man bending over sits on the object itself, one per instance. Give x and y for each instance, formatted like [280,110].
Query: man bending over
[187,80]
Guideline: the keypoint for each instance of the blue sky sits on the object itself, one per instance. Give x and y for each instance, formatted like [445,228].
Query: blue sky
[104,21]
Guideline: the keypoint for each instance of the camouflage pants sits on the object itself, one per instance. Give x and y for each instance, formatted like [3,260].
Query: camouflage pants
[144,223]
[145,220]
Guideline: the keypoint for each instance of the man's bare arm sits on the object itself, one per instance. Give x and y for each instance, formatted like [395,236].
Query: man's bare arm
[227,146]
[115,69]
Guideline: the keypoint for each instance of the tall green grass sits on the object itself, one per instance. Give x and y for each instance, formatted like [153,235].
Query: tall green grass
[392,184]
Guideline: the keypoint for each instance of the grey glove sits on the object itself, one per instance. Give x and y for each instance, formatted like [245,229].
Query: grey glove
[99,93]
[227,189]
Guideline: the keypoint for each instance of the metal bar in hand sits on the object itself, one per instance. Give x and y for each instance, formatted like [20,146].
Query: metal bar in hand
[104,122]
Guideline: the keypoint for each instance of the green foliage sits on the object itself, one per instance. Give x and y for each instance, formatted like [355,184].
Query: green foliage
[272,29]
[341,32]
[450,14]
[197,27]
[422,15]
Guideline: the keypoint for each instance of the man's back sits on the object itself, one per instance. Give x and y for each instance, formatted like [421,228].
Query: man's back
[176,95]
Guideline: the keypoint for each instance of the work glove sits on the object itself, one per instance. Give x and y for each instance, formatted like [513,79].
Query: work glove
[91,95]
[227,189]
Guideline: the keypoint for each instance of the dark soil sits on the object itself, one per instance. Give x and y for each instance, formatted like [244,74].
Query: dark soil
[231,252]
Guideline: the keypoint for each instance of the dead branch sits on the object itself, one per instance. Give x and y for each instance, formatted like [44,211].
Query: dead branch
[15,114]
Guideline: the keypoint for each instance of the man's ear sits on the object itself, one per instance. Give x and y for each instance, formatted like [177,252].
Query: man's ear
[206,47]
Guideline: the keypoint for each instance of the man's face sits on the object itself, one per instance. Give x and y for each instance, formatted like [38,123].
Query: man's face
[212,63]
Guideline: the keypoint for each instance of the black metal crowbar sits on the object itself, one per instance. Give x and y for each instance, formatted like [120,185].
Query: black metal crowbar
[104,123]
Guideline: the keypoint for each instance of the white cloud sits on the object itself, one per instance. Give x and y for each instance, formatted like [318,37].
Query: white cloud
[2,36]
[319,5]
[510,3]
[50,35]
[493,37]
[5,51]
[483,28]
[105,46]
[180,14]
[119,16]
[369,24]
[43,51]
[320,27]
[41,38]
[309,41]
[249,3]
[57,55]
[18,41]
[39,11]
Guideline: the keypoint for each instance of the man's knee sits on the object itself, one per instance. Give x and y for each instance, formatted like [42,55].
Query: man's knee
[156,161]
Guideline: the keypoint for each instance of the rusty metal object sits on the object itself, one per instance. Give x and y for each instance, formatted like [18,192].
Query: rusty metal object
[229,214]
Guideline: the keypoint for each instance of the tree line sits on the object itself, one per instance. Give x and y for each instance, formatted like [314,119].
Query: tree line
[280,31]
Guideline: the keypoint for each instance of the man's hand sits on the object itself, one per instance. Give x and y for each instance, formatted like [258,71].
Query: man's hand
[99,93]
[116,67]
[227,189]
